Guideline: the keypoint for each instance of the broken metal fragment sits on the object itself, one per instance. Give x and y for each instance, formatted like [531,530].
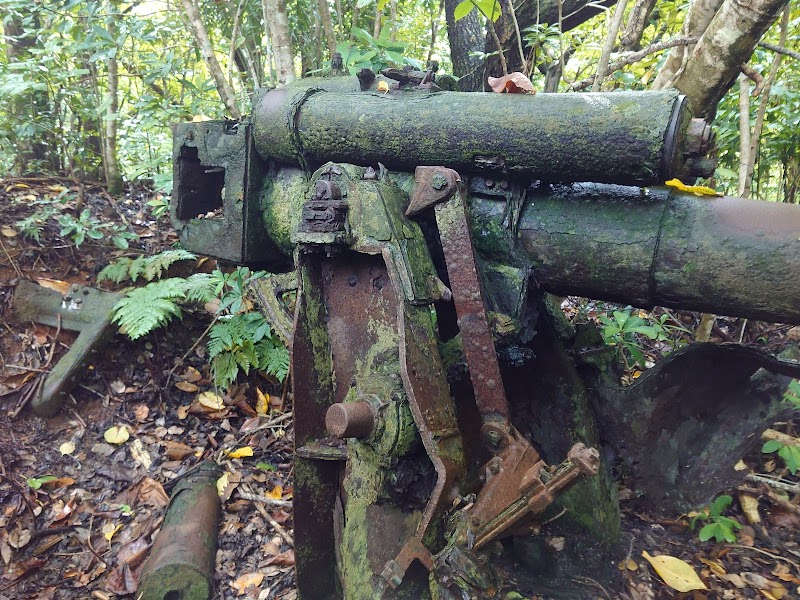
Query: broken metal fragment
[82,309]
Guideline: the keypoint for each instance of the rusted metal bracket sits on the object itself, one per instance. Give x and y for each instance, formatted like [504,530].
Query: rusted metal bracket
[516,481]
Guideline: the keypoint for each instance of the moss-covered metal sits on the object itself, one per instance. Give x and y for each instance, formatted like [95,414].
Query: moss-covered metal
[181,563]
[624,137]
[650,246]
[348,347]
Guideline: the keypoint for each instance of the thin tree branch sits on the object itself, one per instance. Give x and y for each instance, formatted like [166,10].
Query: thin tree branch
[780,50]
[611,40]
[756,78]
[755,138]
[234,35]
[635,57]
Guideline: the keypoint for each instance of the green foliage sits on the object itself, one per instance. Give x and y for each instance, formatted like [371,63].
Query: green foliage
[147,267]
[239,340]
[36,483]
[159,206]
[77,229]
[156,304]
[150,307]
[33,225]
[621,328]
[244,341]
[789,454]
[86,226]
[717,526]
[242,338]
[367,52]
[793,393]
[490,9]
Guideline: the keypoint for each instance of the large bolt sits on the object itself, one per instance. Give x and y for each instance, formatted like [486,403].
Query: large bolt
[350,419]
[438,181]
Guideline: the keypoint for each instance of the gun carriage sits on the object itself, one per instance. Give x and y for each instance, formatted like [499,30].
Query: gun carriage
[425,229]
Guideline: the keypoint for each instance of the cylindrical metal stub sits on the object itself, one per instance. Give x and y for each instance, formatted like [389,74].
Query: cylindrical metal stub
[182,561]
[350,419]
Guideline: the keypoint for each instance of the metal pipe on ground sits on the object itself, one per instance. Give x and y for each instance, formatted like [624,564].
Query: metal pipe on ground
[182,563]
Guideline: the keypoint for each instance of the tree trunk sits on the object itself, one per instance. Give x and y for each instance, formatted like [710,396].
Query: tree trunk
[755,138]
[376,29]
[637,22]
[728,42]
[465,36]
[41,149]
[234,37]
[277,23]
[327,25]
[544,12]
[201,36]
[744,133]
[608,46]
[701,12]
[434,31]
[111,160]
[354,22]
[393,20]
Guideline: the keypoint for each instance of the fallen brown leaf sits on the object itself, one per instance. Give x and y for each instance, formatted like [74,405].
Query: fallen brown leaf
[22,568]
[141,412]
[133,553]
[152,493]
[177,450]
[284,559]
[247,580]
[186,386]
[122,580]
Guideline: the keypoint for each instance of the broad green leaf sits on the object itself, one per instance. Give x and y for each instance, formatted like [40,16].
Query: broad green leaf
[491,8]
[791,456]
[37,482]
[463,8]
[771,446]
[707,532]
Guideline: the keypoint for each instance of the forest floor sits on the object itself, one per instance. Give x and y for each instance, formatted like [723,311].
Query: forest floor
[78,512]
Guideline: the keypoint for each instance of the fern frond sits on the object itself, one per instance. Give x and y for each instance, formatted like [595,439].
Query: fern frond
[200,287]
[225,369]
[150,307]
[273,357]
[137,267]
[220,338]
[156,265]
[117,271]
[149,267]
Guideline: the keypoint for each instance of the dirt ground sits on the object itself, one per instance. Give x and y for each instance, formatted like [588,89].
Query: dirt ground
[80,506]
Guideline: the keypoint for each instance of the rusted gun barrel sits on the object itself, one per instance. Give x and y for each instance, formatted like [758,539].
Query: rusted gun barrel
[650,247]
[627,138]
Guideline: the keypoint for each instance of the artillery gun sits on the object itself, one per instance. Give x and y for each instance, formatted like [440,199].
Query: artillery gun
[441,403]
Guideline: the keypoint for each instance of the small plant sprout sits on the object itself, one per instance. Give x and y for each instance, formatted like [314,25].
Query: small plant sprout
[717,526]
